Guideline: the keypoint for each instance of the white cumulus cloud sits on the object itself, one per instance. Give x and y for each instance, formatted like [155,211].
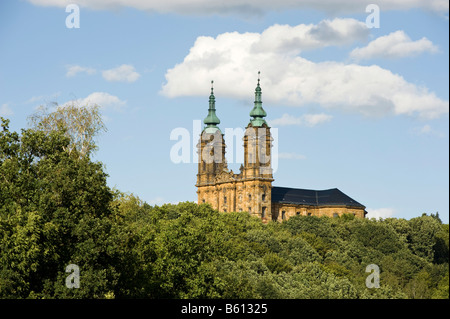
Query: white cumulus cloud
[73,70]
[294,39]
[157,201]
[380,213]
[233,59]
[102,99]
[394,45]
[304,120]
[123,73]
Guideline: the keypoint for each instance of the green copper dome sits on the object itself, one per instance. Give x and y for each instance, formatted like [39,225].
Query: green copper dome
[258,112]
[211,120]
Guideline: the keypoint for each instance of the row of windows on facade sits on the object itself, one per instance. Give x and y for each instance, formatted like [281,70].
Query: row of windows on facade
[263,211]
[263,198]
[283,214]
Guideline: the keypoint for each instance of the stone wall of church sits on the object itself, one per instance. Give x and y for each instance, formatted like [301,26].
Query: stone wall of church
[253,196]
[282,212]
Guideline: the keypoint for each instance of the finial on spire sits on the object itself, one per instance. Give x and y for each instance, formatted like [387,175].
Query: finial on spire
[212,120]
[258,112]
[258,88]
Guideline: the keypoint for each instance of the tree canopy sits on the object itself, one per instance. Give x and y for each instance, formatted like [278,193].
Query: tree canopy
[57,209]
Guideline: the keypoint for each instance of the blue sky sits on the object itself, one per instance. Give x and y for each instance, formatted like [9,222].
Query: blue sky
[361,109]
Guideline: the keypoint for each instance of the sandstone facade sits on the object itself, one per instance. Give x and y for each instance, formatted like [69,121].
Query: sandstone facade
[251,189]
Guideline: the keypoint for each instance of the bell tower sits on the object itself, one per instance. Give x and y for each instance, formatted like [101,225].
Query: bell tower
[211,155]
[257,170]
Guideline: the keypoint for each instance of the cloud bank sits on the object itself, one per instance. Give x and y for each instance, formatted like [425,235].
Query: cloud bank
[380,213]
[394,45]
[123,73]
[249,7]
[102,99]
[73,70]
[304,120]
[233,59]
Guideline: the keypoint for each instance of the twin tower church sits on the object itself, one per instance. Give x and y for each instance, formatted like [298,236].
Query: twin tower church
[251,190]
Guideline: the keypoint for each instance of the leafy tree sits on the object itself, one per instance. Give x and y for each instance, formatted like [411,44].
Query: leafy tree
[377,235]
[442,290]
[81,125]
[422,237]
[419,286]
[276,263]
[441,246]
[402,227]
[54,211]
[320,226]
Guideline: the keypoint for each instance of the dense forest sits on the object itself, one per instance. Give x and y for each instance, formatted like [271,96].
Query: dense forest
[56,209]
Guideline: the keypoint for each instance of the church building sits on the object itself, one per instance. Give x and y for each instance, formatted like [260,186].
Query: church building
[251,190]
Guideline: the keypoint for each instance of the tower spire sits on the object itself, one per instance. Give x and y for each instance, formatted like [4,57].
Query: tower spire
[212,120]
[258,112]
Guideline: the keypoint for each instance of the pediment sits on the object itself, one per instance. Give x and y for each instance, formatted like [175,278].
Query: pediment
[225,177]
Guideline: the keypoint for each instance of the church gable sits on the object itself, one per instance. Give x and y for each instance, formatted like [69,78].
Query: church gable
[225,177]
